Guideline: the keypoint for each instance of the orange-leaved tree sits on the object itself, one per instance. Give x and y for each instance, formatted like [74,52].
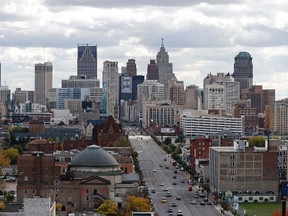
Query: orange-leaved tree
[136,204]
[279,213]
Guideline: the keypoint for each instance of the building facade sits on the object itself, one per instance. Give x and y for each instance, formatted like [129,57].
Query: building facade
[152,70]
[87,61]
[199,123]
[43,82]
[110,87]
[243,70]
[243,168]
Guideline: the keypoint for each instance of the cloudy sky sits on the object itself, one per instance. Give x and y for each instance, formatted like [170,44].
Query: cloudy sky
[200,37]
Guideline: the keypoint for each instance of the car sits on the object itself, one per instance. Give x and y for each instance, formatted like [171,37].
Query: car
[193,202]
[154,170]
[153,191]
[168,194]
[170,214]
[178,197]
[170,210]
[167,167]
[196,195]
[174,204]
[160,165]
[182,181]
[165,159]
[205,199]
[202,202]
[161,184]
[179,213]
[165,189]
[10,179]
[209,202]
[174,177]
[201,194]
[174,183]
[163,200]
[175,171]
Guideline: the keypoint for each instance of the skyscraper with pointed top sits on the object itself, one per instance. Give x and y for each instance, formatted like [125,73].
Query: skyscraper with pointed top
[243,70]
[165,68]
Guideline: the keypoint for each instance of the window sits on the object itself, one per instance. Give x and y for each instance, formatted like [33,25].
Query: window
[232,164]
[250,198]
[240,198]
[87,191]
[261,198]
[25,191]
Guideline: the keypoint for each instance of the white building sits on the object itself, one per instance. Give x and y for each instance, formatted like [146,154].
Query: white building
[149,90]
[199,122]
[110,87]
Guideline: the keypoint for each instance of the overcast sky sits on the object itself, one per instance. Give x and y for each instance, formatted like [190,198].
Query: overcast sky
[200,37]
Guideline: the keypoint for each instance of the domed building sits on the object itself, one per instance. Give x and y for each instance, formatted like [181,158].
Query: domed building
[92,176]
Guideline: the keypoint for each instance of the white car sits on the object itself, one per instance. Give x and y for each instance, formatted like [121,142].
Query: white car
[154,170]
[165,189]
[179,213]
[161,184]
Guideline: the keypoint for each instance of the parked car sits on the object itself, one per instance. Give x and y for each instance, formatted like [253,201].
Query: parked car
[168,194]
[178,197]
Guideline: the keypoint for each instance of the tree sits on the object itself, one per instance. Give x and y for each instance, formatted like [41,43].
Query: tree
[279,213]
[12,154]
[136,204]
[108,208]
[257,141]
[122,142]
[167,141]
[4,160]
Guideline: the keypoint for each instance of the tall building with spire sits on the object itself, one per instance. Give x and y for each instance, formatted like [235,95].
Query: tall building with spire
[43,81]
[87,61]
[243,70]
[165,68]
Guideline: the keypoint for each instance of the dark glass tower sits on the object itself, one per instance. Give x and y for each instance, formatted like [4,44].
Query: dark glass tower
[243,70]
[87,61]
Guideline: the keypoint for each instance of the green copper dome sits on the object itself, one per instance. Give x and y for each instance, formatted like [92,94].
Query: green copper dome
[244,54]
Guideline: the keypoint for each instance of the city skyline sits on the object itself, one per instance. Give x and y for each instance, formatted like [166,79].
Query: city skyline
[200,37]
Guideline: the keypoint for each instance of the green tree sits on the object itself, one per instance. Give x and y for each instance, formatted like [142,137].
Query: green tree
[167,141]
[108,208]
[12,154]
[257,141]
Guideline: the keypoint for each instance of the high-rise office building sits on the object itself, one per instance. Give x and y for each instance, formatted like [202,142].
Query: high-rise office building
[165,67]
[131,68]
[176,92]
[243,70]
[152,70]
[43,81]
[110,87]
[87,61]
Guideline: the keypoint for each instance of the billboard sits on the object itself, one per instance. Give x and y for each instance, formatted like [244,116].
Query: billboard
[168,130]
[126,84]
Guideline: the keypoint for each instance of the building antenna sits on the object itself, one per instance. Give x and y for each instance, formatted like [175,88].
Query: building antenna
[44,53]
[162,43]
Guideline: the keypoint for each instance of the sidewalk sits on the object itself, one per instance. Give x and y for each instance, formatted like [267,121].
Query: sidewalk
[222,212]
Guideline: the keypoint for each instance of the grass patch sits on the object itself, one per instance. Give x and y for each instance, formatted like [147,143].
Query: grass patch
[261,209]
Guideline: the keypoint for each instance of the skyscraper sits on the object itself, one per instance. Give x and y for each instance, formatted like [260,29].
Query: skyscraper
[131,67]
[87,61]
[152,70]
[110,87]
[243,70]
[43,81]
[165,68]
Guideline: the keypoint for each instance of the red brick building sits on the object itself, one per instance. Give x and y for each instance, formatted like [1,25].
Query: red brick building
[109,132]
[36,126]
[92,176]
[199,149]
[42,145]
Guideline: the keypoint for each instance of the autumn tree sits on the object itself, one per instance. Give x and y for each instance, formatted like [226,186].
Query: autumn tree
[279,213]
[12,154]
[136,204]
[257,141]
[4,162]
[122,142]
[108,208]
